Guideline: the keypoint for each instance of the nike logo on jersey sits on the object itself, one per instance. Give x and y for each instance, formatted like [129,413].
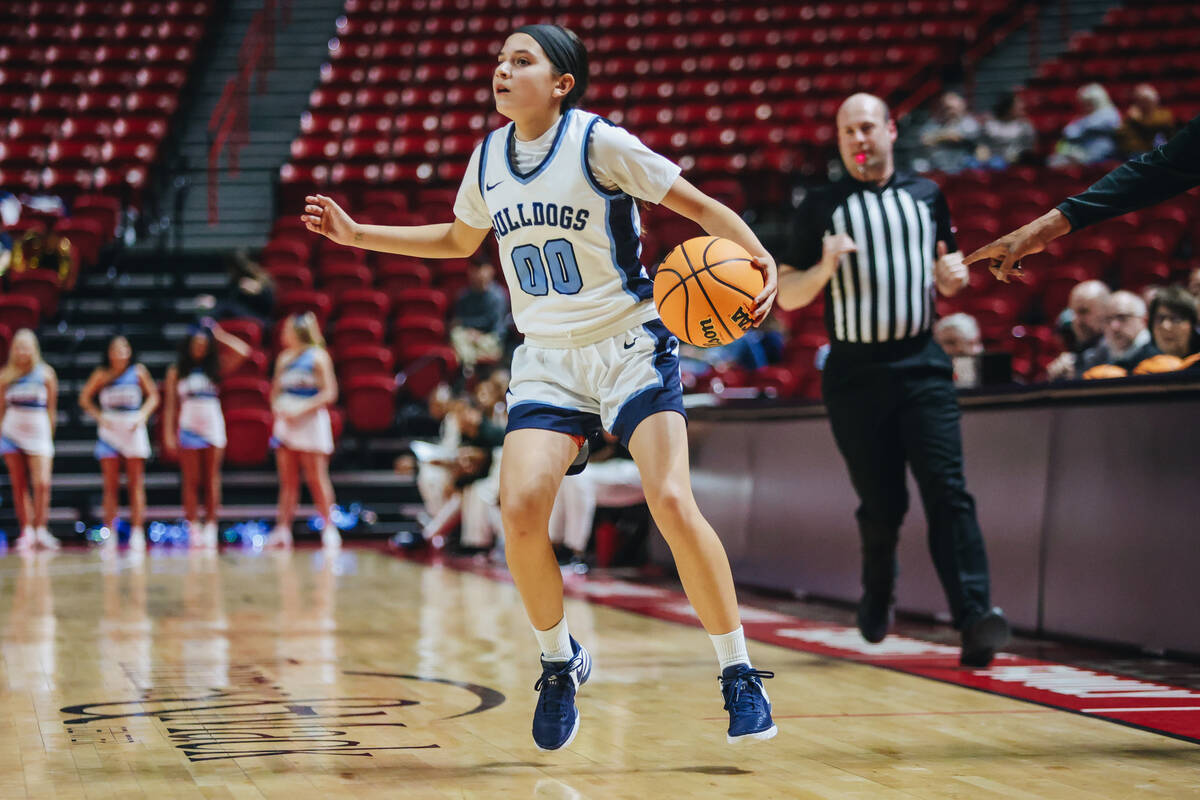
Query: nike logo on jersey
[494,185]
[631,344]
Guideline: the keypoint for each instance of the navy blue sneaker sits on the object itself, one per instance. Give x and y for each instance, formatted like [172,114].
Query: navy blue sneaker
[556,720]
[747,703]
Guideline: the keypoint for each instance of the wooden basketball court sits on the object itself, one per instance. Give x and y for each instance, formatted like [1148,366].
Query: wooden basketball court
[250,675]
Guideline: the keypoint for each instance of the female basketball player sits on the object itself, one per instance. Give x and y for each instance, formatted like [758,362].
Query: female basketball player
[193,424]
[557,185]
[30,389]
[303,436]
[128,397]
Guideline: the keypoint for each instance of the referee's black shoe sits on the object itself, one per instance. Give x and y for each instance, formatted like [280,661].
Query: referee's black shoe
[876,613]
[982,637]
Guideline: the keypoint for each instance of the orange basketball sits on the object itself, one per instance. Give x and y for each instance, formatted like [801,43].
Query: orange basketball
[705,290]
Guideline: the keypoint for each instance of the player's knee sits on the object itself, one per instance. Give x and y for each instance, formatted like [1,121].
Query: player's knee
[672,506]
[525,511]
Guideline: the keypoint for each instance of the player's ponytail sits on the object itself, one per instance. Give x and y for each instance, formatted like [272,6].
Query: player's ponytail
[567,55]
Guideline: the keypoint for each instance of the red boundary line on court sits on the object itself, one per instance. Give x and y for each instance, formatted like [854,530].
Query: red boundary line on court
[1167,710]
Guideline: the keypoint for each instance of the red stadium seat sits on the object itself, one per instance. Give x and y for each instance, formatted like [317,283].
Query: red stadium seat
[368,303]
[245,392]
[357,330]
[19,311]
[40,284]
[249,433]
[420,302]
[339,278]
[429,366]
[248,330]
[303,300]
[364,359]
[290,278]
[370,402]
[255,366]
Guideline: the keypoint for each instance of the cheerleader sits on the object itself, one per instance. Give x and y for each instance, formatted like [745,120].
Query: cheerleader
[127,398]
[303,435]
[30,389]
[193,425]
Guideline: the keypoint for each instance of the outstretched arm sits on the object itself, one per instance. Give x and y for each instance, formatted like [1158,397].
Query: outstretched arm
[445,240]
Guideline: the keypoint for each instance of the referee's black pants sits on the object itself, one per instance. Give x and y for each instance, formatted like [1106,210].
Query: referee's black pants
[894,403]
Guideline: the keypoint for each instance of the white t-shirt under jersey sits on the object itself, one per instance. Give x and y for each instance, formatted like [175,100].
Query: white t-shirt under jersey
[619,160]
[563,210]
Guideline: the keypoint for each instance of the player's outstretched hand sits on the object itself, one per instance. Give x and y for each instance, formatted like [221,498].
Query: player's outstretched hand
[766,298]
[1005,253]
[322,215]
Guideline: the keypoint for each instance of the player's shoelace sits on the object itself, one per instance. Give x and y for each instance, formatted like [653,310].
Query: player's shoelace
[733,688]
[554,683]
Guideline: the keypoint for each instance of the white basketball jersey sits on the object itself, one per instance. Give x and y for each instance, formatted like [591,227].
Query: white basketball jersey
[569,248]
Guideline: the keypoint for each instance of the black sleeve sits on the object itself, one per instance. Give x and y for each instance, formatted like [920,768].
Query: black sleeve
[1141,181]
[808,228]
[942,223]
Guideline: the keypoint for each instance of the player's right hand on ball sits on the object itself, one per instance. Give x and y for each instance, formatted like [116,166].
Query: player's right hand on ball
[837,245]
[322,215]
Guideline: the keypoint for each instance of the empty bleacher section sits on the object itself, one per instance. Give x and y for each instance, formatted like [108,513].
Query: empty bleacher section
[88,91]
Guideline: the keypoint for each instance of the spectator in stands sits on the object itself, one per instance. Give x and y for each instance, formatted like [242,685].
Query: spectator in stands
[1008,134]
[304,386]
[951,135]
[479,318]
[250,292]
[1091,137]
[128,396]
[1193,283]
[1147,123]
[1087,309]
[611,480]
[30,389]
[1126,341]
[193,425]
[479,478]
[958,334]
[1173,313]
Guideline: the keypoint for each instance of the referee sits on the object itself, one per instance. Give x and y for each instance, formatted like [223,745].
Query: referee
[876,243]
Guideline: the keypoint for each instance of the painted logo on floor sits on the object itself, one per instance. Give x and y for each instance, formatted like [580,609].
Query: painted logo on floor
[393,712]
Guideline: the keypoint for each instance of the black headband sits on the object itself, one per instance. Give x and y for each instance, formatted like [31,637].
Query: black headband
[566,54]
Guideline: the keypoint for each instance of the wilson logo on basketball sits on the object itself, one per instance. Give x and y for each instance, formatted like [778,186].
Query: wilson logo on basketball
[741,318]
[709,329]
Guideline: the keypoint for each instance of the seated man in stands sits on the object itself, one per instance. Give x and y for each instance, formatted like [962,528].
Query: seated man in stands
[479,318]
[1147,124]
[951,135]
[1087,309]
[1126,341]
[958,334]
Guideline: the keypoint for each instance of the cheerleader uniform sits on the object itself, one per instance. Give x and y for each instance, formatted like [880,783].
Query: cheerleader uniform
[308,433]
[26,427]
[120,433]
[201,423]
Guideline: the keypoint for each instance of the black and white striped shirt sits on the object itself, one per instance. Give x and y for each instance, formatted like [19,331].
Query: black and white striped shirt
[883,292]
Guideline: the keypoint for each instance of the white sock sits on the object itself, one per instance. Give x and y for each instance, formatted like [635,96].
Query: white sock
[137,530]
[556,642]
[731,648]
[28,531]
